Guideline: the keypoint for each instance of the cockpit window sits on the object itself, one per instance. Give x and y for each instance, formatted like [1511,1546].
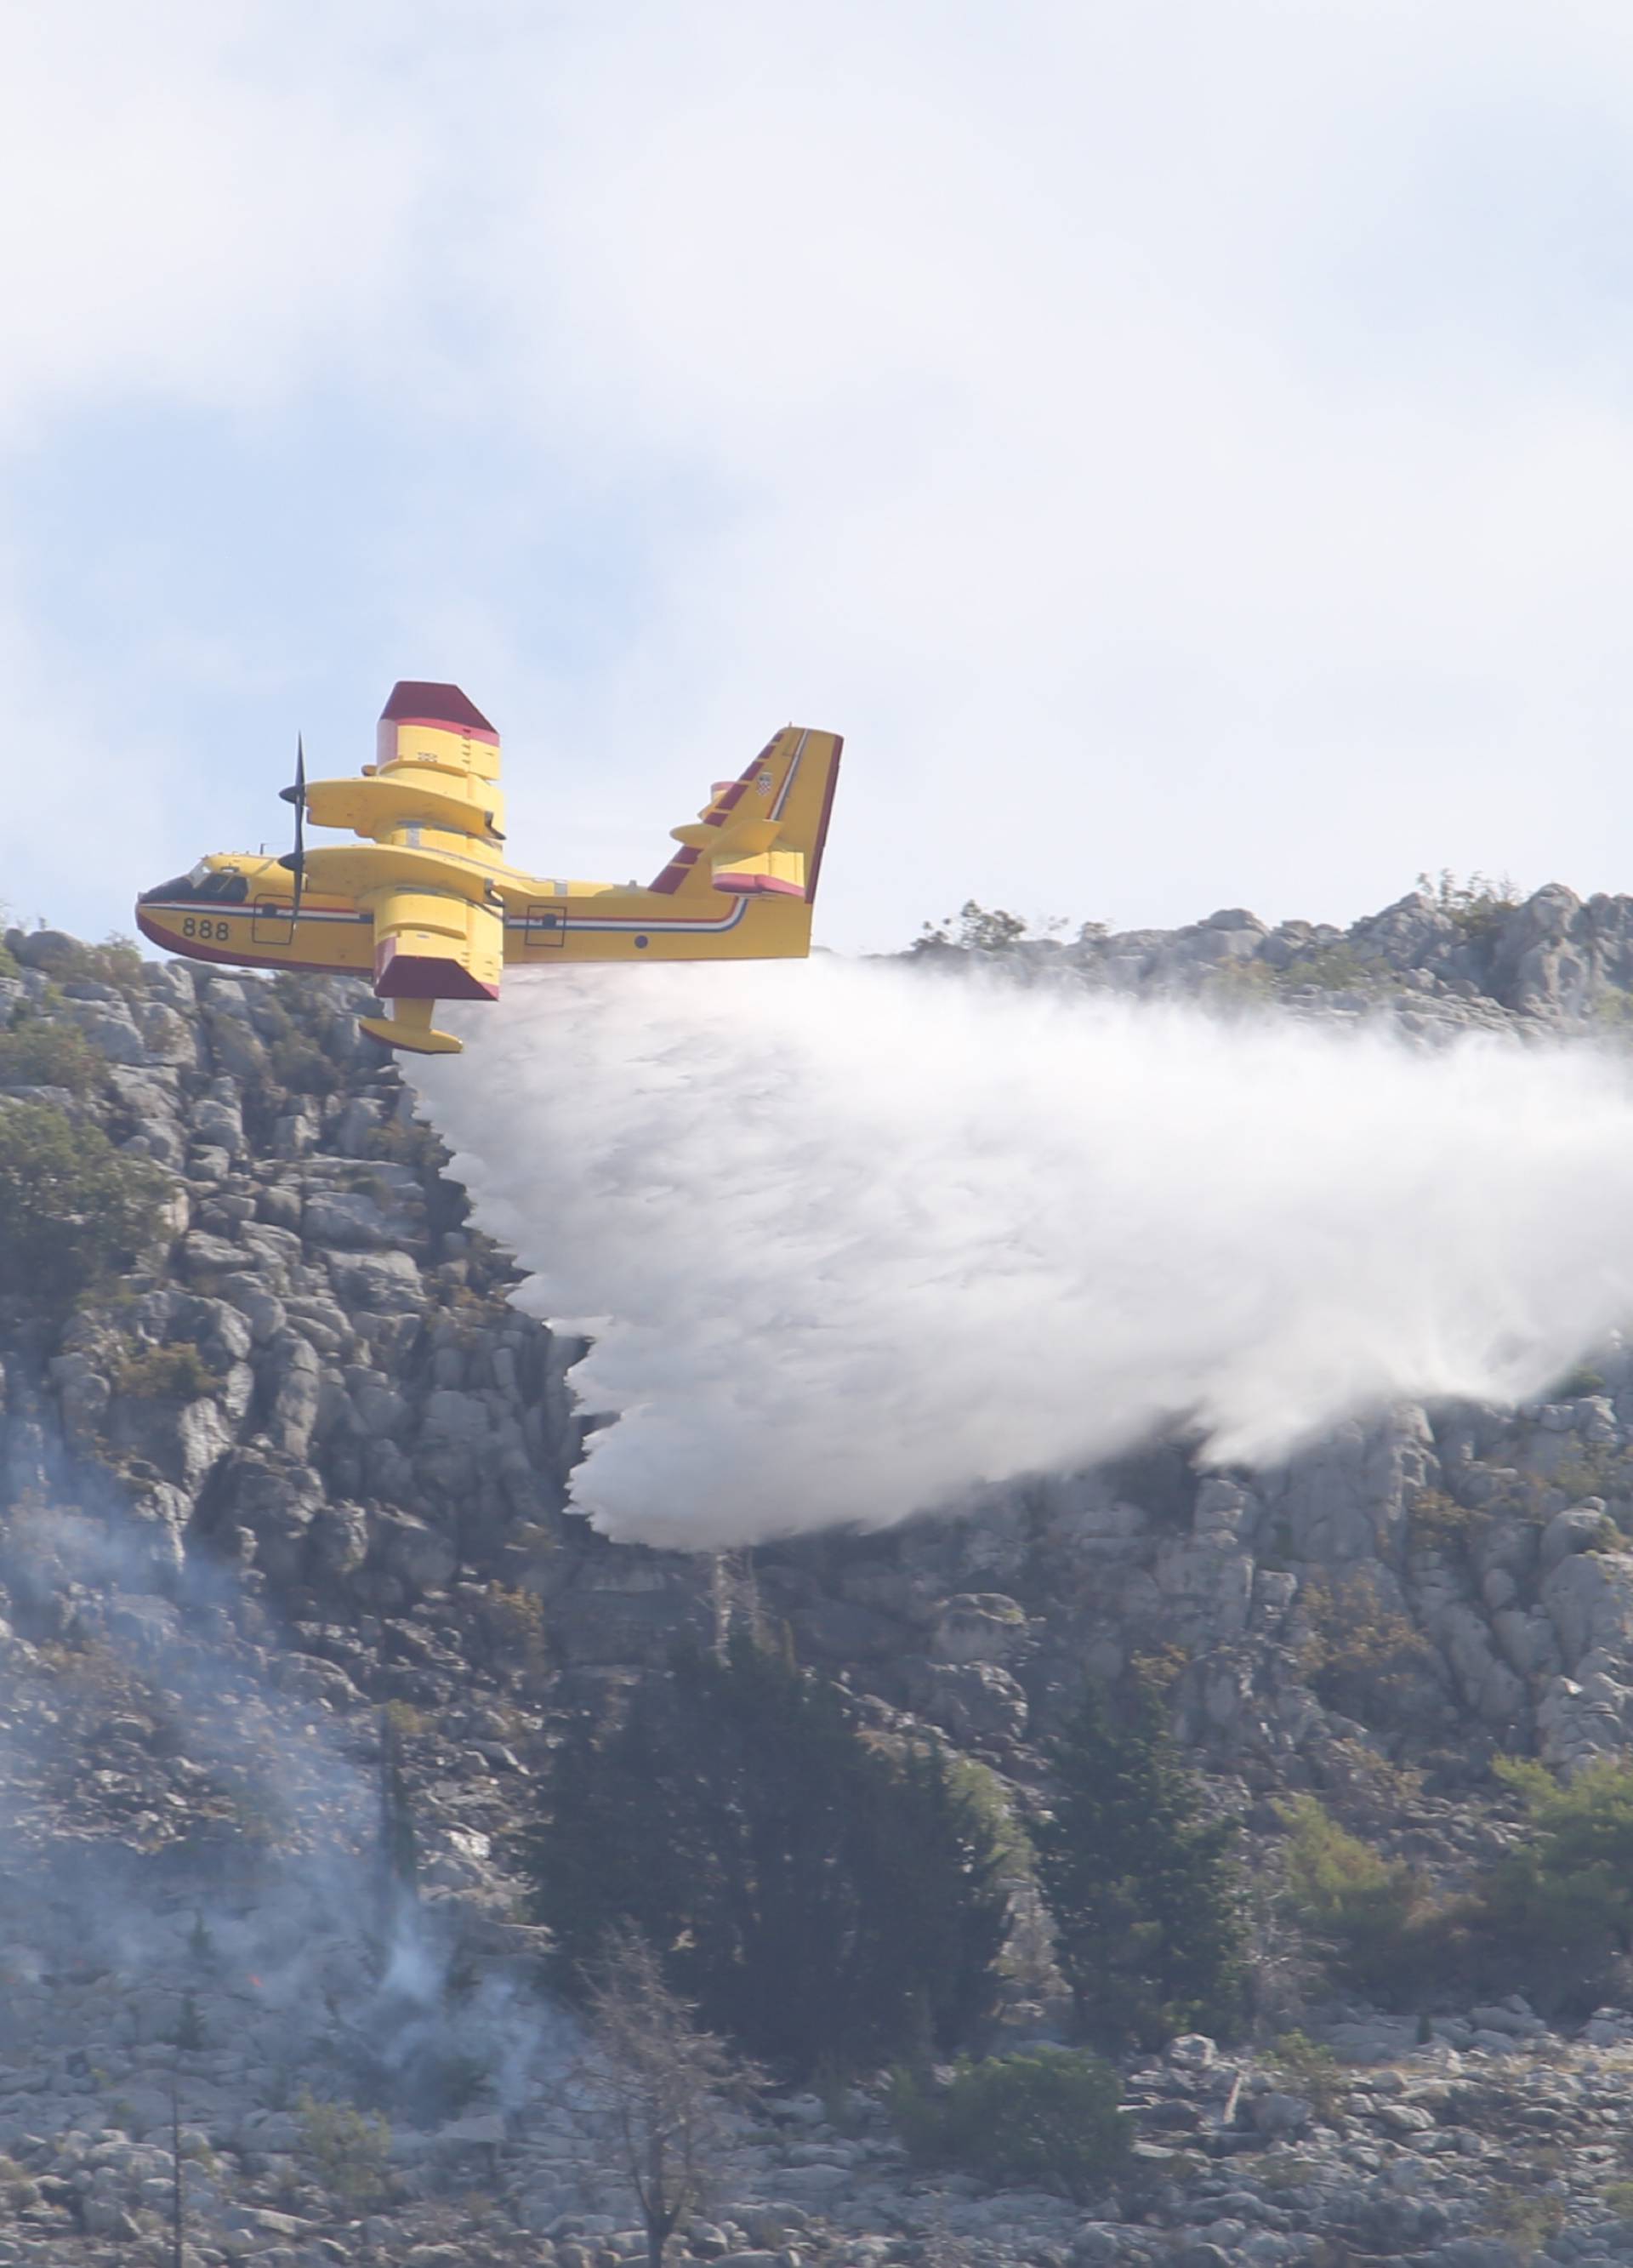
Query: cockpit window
[214,885]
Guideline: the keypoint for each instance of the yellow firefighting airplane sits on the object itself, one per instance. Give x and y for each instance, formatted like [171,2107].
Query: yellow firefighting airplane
[426,905]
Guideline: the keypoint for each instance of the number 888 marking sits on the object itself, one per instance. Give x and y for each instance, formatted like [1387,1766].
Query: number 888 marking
[219,930]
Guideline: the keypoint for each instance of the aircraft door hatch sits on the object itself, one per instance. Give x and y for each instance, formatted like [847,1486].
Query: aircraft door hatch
[545,930]
[274,923]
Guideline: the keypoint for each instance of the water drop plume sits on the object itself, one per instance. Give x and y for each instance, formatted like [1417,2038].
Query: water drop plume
[852,1242]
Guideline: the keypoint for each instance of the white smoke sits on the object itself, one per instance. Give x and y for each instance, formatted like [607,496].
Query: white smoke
[852,1244]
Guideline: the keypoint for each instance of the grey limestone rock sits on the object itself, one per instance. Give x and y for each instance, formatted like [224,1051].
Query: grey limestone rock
[1589,1598]
[979,1626]
[387,1283]
[1580,1528]
[976,1701]
[1206,1588]
[419,1556]
[297,1396]
[351,1220]
[1345,1500]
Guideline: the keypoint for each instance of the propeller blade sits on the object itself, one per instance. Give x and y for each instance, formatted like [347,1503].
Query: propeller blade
[296,794]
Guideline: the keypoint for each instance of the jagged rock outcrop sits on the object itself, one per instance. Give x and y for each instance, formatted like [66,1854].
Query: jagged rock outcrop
[307,1462]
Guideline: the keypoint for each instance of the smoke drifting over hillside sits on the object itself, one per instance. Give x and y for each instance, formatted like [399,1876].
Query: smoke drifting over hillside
[853,1242]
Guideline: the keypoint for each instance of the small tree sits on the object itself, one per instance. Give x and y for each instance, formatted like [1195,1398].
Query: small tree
[656,2086]
[1558,1906]
[1143,1888]
[1370,1917]
[975,928]
[44,1051]
[72,1206]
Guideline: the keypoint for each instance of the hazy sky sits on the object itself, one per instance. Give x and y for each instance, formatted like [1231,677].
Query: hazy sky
[1186,445]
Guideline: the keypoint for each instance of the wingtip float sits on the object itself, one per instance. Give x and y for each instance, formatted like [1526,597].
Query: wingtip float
[425,904]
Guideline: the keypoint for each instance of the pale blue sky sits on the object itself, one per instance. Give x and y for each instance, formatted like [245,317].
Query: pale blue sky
[1188,449]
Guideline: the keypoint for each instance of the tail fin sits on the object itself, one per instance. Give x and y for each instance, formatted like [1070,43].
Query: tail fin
[763,834]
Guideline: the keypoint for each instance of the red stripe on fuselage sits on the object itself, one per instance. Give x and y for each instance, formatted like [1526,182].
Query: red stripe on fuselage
[189,948]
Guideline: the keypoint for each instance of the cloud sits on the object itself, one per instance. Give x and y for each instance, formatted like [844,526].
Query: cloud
[1209,423]
[854,1242]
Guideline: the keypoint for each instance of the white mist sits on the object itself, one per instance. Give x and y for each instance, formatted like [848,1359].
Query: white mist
[853,1240]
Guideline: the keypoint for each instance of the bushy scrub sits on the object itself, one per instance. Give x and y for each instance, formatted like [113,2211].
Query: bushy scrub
[1370,1917]
[1313,2072]
[164,1374]
[1048,2118]
[40,1051]
[1561,1902]
[1552,1918]
[348,2149]
[72,1206]
[1363,1656]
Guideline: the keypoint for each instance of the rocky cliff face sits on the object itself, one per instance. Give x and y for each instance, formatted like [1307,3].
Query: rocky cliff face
[303,1463]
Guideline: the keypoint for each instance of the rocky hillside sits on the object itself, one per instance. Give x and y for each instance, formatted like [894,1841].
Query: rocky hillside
[300,1475]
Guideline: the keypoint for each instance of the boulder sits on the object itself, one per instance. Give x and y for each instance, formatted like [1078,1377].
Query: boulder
[349,1220]
[979,1626]
[386,1283]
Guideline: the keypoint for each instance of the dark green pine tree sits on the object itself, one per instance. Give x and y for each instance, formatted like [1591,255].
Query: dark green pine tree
[1143,1888]
[944,1915]
[817,1899]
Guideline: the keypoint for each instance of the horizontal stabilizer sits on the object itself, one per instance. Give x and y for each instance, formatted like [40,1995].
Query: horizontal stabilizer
[761,834]
[771,873]
[743,835]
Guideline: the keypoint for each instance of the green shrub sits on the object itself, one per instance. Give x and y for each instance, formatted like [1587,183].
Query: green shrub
[1437,1523]
[348,2150]
[1049,2119]
[975,928]
[72,1206]
[1476,905]
[1562,1904]
[43,1051]
[302,1067]
[1526,2220]
[1370,1916]
[407,1143]
[1314,2072]
[117,961]
[1599,1469]
[1332,968]
[1362,1657]
[1240,983]
[164,1374]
